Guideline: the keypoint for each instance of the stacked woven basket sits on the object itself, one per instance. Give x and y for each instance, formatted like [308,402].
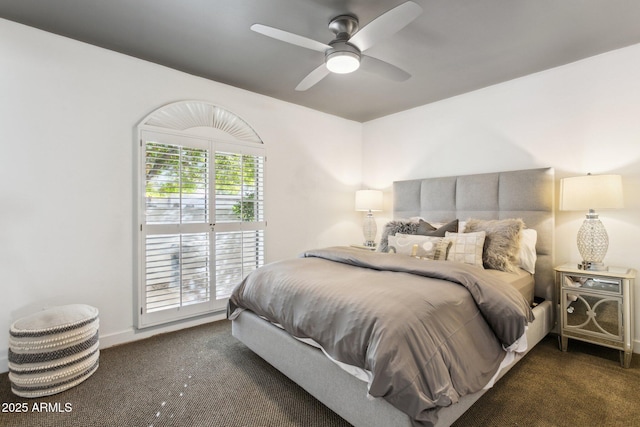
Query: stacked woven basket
[53,350]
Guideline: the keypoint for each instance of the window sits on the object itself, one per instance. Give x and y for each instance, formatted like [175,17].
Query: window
[202,219]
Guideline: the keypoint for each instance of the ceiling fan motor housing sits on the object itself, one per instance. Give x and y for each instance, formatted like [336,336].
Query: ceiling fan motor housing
[344,26]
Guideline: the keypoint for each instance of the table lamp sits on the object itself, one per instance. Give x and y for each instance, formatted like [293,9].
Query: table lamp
[369,201]
[591,192]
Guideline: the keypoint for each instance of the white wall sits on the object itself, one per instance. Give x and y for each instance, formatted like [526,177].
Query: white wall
[579,118]
[68,112]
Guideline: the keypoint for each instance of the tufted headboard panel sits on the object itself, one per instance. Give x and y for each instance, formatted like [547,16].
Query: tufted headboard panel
[526,194]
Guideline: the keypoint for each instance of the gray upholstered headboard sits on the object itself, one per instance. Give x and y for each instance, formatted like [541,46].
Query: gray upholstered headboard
[526,194]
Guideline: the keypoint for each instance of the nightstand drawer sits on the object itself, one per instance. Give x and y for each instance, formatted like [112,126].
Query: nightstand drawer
[592,283]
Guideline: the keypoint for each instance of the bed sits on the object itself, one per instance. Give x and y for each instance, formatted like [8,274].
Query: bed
[347,388]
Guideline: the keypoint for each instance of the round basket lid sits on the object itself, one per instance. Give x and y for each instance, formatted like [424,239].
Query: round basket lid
[54,320]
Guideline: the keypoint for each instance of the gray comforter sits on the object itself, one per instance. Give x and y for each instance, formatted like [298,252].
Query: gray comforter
[428,331]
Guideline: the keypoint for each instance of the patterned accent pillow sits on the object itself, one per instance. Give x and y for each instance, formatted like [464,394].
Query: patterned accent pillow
[502,243]
[466,247]
[419,246]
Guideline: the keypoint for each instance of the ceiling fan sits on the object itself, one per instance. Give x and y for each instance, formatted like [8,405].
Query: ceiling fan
[344,54]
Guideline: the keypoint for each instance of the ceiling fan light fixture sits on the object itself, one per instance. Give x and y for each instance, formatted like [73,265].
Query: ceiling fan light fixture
[343,62]
[342,55]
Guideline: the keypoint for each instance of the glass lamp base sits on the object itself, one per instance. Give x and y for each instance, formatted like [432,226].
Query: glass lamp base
[593,243]
[369,229]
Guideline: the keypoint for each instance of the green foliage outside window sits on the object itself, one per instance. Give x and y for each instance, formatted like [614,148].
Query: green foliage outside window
[245,210]
[172,169]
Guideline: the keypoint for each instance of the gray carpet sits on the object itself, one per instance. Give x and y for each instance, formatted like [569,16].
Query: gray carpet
[204,377]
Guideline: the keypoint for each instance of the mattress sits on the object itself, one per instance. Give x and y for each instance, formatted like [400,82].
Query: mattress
[522,280]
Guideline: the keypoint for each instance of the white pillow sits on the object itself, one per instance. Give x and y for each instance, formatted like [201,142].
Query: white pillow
[528,256]
[419,246]
[466,247]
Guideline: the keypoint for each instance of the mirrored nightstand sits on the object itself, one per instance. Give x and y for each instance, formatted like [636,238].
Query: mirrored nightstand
[597,307]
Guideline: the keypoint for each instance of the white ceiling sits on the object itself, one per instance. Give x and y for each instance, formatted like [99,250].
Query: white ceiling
[453,47]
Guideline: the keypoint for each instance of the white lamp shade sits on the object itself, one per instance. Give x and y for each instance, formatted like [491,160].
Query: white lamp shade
[591,192]
[368,200]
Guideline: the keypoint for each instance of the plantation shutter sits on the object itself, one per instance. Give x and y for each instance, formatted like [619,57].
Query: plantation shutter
[203,228]
[239,214]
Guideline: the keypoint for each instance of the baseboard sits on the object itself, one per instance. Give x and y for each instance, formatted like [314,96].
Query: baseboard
[132,334]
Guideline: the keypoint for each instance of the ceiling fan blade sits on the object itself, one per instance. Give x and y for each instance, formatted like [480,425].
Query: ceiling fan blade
[288,37]
[385,25]
[313,77]
[382,68]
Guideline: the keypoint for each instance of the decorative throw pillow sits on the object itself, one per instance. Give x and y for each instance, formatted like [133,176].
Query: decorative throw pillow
[419,246]
[466,247]
[393,227]
[426,229]
[528,255]
[502,243]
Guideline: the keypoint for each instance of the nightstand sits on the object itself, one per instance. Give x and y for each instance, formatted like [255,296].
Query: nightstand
[364,247]
[597,307]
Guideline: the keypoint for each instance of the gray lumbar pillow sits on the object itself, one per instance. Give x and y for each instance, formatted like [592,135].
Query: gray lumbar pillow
[427,229]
